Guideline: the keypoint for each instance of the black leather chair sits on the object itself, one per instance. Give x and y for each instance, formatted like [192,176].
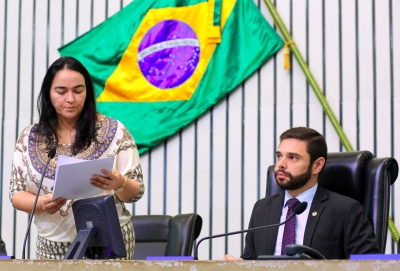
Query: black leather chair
[362,177]
[164,235]
[3,251]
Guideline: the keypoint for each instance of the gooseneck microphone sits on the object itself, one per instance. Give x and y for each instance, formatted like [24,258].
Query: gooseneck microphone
[50,155]
[297,210]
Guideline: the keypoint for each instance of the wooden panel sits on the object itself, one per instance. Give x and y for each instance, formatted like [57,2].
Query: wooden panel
[383,80]
[203,182]
[188,169]
[316,58]
[348,70]
[234,208]
[172,176]
[156,189]
[219,160]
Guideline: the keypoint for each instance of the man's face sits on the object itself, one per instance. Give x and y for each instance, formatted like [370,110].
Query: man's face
[293,169]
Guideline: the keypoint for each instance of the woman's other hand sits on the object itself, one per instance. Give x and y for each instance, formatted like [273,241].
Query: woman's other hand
[113,180]
[124,187]
[49,205]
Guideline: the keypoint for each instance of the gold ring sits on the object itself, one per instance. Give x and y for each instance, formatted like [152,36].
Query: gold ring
[105,186]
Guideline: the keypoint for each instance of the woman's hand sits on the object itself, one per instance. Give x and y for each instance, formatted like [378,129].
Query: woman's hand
[49,206]
[113,180]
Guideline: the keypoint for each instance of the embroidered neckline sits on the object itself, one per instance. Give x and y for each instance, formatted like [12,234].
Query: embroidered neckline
[106,130]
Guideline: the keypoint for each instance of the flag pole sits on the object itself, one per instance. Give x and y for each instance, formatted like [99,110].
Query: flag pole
[290,44]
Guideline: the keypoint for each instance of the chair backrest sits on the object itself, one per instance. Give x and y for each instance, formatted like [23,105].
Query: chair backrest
[164,235]
[360,176]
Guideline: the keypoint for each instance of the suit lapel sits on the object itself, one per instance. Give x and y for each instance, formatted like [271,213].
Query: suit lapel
[316,209]
[276,211]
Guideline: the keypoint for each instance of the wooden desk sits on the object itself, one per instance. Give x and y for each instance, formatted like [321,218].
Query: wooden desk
[70,265]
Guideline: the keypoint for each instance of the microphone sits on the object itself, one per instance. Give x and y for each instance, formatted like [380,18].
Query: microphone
[297,210]
[50,155]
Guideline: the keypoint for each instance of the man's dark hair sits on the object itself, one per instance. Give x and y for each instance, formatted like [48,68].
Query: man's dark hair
[86,124]
[316,144]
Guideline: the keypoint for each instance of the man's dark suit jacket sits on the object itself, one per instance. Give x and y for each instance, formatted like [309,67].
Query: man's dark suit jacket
[338,230]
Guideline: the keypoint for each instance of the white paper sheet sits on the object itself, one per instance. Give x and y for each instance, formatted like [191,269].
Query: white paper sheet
[72,180]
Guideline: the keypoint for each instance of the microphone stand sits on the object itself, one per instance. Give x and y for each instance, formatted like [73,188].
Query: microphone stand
[50,155]
[236,232]
[297,210]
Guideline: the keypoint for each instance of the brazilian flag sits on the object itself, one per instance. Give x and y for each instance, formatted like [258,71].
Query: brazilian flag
[159,64]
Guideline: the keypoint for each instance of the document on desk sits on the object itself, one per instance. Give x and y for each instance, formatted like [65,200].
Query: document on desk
[72,180]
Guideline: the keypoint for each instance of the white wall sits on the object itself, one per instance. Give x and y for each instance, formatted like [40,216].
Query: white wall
[352,48]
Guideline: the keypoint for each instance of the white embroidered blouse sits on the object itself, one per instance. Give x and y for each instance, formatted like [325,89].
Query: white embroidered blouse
[30,157]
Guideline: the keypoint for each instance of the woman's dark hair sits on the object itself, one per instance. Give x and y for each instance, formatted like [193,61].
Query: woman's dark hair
[86,124]
[316,144]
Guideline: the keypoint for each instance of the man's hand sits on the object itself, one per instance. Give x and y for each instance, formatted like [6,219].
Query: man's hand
[229,257]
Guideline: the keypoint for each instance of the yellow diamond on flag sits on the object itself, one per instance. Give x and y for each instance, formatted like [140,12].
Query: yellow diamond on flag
[168,54]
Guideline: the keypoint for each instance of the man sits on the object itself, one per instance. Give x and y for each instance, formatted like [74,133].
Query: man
[332,224]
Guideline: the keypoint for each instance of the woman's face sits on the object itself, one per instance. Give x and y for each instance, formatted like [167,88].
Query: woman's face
[68,94]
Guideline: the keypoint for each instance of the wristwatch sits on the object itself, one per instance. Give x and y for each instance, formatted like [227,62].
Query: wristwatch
[120,189]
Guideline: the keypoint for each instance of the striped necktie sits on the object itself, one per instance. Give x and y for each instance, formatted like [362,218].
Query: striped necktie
[289,233]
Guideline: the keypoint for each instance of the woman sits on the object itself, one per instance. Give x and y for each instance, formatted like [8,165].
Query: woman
[69,120]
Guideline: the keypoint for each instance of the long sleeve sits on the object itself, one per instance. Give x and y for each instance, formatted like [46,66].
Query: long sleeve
[127,160]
